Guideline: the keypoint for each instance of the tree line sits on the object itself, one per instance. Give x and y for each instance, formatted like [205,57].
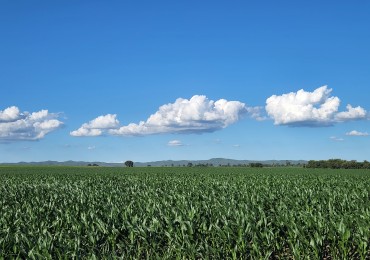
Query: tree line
[327,164]
[338,164]
[190,164]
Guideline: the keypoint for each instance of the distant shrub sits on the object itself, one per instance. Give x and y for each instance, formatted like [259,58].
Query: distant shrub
[256,165]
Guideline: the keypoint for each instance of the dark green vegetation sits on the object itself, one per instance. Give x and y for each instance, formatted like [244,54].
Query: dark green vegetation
[78,212]
[338,164]
[129,163]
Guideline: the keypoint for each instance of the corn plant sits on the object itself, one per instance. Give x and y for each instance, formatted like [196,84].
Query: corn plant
[184,213]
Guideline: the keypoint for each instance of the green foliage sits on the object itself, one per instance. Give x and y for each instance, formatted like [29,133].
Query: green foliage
[256,165]
[338,164]
[185,213]
[129,163]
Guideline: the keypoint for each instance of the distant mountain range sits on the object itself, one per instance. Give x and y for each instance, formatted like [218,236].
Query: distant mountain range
[213,161]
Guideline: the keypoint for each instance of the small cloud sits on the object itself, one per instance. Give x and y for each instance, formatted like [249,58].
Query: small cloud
[175,143]
[352,113]
[236,145]
[17,126]
[257,113]
[357,133]
[336,139]
[317,108]
[91,147]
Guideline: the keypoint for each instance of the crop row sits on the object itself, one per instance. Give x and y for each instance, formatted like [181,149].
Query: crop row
[222,213]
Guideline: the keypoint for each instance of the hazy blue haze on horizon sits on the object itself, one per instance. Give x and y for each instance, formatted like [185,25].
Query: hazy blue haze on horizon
[84,59]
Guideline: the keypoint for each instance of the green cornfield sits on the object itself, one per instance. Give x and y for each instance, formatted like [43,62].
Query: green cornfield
[184,213]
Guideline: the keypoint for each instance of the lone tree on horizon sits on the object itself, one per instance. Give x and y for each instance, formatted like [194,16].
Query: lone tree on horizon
[129,163]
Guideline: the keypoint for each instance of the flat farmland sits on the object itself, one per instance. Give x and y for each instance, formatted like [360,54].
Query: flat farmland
[184,213]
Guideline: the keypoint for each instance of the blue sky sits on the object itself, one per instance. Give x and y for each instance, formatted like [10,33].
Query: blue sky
[242,79]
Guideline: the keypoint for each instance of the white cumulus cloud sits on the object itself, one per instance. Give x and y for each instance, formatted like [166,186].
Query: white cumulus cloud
[195,115]
[9,114]
[96,126]
[352,113]
[357,133]
[175,143]
[15,125]
[317,108]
